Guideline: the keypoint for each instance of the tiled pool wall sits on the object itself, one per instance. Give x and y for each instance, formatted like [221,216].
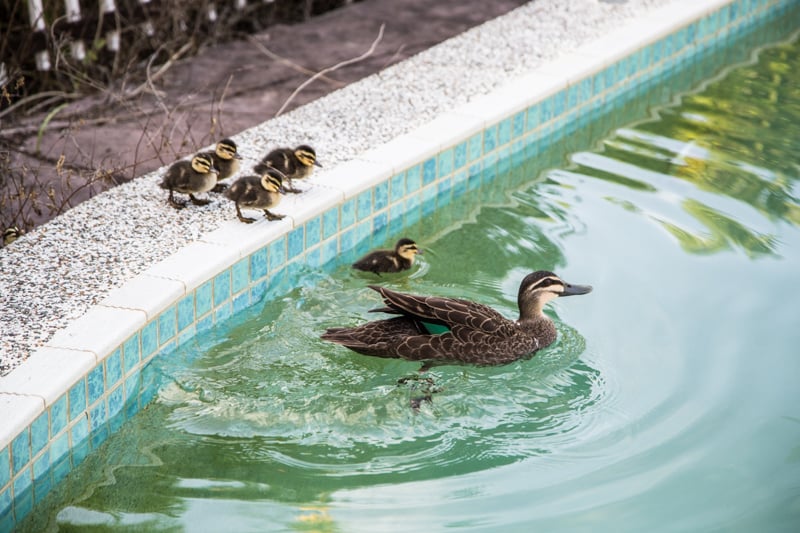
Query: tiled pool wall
[65,427]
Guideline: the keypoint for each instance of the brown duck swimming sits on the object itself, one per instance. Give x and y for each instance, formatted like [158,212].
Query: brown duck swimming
[401,258]
[439,330]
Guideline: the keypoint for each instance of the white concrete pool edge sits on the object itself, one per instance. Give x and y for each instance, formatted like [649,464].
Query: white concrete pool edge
[47,374]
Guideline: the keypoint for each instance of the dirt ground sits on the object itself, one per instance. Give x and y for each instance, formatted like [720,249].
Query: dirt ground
[219,92]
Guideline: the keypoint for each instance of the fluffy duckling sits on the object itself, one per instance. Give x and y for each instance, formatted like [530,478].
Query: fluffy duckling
[11,234]
[226,160]
[401,258]
[190,177]
[293,163]
[257,193]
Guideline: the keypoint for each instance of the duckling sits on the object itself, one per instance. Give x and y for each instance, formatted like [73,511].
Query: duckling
[257,193]
[438,330]
[401,258]
[294,164]
[226,161]
[190,177]
[11,234]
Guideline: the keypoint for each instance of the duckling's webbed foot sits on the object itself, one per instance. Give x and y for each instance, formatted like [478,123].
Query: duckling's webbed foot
[272,216]
[243,218]
[175,203]
[198,201]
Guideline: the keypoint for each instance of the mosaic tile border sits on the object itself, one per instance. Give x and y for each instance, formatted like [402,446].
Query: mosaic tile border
[55,413]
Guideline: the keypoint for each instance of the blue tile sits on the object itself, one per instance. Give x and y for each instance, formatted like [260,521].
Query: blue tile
[347,213]
[429,171]
[5,467]
[79,431]
[380,196]
[113,364]
[5,509]
[504,132]
[222,287]
[312,259]
[21,451]
[96,384]
[22,482]
[489,139]
[504,159]
[329,250]
[187,334]
[58,415]
[445,162]
[347,240]
[223,312]
[240,275]
[41,465]
[116,400]
[79,452]
[475,147]
[546,110]
[460,155]
[258,266]
[132,386]
[207,321]
[585,90]
[98,415]
[131,354]
[59,448]
[77,399]
[397,187]
[559,103]
[167,325]
[363,231]
[295,243]
[40,432]
[475,170]
[277,254]
[380,221]
[459,183]
[313,232]
[241,301]
[533,117]
[149,339]
[41,487]
[518,124]
[413,179]
[185,312]
[364,205]
[330,223]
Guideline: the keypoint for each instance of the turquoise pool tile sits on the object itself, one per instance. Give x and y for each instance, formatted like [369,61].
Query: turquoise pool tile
[445,162]
[313,232]
[489,139]
[429,171]
[20,451]
[5,466]
[131,354]
[132,387]
[312,258]
[429,201]
[185,312]
[223,312]
[329,250]
[40,432]
[330,223]
[347,240]
[475,170]
[533,117]
[347,214]
[363,231]
[459,183]
[656,51]
[413,179]
[380,196]
[572,97]
[41,465]
[116,401]
[79,452]
[518,125]
[96,384]
[241,301]
[475,147]
[222,287]
[397,187]
[59,448]
[79,431]
[559,103]
[380,221]
[585,89]
[295,243]
[149,339]
[504,159]
[444,186]
[113,364]
[240,275]
[167,325]
[99,436]
[460,155]
[22,483]
[98,415]
[187,335]
[207,321]
[60,468]
[364,205]
[277,254]
[546,110]
[77,399]
[6,515]
[258,267]
[412,202]
[58,415]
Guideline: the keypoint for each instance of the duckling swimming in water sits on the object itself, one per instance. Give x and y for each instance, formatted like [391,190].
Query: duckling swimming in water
[437,330]
[257,193]
[226,160]
[293,163]
[401,258]
[190,177]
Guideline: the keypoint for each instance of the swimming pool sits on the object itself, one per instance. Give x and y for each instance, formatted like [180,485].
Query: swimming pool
[667,403]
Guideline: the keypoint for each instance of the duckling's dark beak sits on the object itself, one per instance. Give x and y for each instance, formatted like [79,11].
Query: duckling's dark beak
[572,290]
[316,164]
[237,156]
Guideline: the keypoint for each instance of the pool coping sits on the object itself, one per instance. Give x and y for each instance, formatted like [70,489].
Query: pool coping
[66,395]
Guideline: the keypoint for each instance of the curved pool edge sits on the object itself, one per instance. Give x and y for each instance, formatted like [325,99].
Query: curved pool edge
[68,396]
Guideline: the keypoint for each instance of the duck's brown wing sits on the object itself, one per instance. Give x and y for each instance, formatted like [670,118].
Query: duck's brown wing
[463,317]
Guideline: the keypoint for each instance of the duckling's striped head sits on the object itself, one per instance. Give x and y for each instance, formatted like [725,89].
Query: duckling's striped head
[272,181]
[540,287]
[11,234]
[306,155]
[226,149]
[407,249]
[202,164]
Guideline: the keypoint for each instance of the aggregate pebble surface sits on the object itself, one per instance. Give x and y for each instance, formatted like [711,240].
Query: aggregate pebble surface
[53,274]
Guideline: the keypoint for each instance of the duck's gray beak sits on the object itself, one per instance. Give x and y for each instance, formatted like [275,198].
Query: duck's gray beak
[573,290]
[316,164]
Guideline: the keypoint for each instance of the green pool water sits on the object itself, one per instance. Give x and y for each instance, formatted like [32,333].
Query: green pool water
[670,401]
